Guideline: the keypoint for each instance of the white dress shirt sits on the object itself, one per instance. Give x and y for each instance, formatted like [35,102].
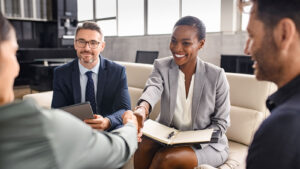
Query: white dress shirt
[182,119]
[83,79]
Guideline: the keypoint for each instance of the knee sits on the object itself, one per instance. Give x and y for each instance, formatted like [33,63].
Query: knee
[143,148]
[144,154]
[180,157]
[163,159]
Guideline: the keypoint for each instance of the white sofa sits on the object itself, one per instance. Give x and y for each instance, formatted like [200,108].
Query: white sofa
[247,96]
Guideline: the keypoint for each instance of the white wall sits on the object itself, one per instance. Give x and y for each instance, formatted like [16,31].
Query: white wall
[124,48]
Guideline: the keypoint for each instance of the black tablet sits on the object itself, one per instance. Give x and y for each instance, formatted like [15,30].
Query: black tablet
[82,110]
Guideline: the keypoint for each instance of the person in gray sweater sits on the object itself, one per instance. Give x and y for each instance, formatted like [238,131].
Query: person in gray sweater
[34,137]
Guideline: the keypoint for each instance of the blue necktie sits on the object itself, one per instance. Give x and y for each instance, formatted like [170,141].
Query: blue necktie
[90,91]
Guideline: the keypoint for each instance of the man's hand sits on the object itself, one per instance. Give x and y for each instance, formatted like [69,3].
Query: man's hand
[128,116]
[98,122]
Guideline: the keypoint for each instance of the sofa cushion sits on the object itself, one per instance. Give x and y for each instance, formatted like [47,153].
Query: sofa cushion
[247,92]
[237,156]
[43,99]
[248,110]
[137,73]
[137,76]
[244,123]
[135,94]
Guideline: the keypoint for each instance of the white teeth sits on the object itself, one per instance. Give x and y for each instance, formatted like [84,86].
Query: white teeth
[179,56]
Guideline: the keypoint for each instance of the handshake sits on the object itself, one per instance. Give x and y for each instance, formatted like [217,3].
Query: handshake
[137,117]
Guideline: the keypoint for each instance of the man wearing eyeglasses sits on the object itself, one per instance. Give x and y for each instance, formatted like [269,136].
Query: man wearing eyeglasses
[91,77]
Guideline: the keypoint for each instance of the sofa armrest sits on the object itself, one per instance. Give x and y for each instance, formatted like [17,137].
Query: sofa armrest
[43,99]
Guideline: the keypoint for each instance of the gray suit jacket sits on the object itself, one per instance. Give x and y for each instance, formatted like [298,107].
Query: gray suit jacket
[210,101]
[32,137]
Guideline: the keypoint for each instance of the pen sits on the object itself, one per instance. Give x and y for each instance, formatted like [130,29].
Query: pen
[171,135]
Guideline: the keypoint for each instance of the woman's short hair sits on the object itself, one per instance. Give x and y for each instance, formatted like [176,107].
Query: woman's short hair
[194,22]
[5,28]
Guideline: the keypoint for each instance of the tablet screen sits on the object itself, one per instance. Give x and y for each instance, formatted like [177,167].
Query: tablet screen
[82,110]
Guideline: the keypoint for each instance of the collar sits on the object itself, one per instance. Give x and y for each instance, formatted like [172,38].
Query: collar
[83,70]
[284,93]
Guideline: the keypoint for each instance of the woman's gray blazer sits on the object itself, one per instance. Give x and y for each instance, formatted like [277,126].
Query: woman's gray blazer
[210,104]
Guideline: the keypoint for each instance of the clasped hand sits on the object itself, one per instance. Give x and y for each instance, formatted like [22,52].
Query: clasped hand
[138,120]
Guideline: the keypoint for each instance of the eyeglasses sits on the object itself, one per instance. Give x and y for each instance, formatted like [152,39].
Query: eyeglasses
[245,6]
[92,44]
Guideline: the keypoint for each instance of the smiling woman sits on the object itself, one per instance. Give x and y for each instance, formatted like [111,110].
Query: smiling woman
[194,95]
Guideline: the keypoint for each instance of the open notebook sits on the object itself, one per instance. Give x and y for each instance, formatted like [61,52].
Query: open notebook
[171,136]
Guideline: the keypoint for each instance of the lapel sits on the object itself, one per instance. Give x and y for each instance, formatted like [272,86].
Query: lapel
[76,82]
[199,83]
[173,85]
[101,81]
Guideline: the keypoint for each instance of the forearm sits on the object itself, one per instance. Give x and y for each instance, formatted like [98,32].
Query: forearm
[128,133]
[115,119]
[143,109]
[121,102]
[85,147]
[219,124]
[113,150]
[153,89]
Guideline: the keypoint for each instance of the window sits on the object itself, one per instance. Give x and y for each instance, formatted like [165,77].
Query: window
[12,8]
[208,11]
[127,17]
[130,17]
[41,9]
[85,10]
[106,16]
[162,16]
[245,17]
[109,27]
[105,8]
[28,11]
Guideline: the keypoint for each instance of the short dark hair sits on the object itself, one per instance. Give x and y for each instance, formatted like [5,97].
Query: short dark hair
[5,28]
[90,26]
[194,22]
[270,12]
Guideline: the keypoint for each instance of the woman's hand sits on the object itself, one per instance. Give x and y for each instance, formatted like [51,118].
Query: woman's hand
[141,112]
[129,116]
